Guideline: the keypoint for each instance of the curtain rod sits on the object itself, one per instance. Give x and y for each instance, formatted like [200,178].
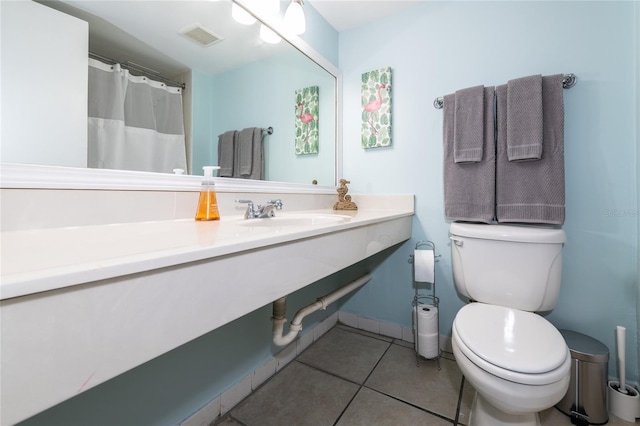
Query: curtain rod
[139,69]
[568,82]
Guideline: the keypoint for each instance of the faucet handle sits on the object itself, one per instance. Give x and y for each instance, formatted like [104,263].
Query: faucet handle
[277,202]
[250,212]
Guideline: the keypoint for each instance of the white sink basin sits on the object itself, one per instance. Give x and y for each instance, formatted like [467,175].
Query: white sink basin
[297,220]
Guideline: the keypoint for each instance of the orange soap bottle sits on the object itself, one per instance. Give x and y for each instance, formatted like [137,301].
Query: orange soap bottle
[208,204]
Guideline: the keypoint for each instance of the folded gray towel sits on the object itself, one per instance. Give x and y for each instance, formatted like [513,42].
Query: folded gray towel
[469,188]
[533,191]
[468,128]
[249,161]
[524,118]
[257,170]
[226,149]
[244,153]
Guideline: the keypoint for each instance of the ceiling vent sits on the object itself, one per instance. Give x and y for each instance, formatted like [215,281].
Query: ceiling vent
[200,35]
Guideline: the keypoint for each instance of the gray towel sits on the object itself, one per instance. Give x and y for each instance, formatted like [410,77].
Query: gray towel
[533,191]
[468,128]
[226,149]
[244,153]
[524,118]
[257,171]
[249,154]
[469,188]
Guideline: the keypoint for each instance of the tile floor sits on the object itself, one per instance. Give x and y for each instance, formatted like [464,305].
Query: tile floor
[351,377]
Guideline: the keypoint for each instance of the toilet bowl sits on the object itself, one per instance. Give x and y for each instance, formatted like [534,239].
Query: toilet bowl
[517,361]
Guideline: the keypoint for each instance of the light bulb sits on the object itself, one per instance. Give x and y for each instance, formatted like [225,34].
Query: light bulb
[294,18]
[241,15]
[268,36]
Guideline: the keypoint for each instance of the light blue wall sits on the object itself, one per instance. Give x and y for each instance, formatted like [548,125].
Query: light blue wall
[202,131]
[436,48]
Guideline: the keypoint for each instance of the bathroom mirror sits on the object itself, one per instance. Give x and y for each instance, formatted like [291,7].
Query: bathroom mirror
[237,82]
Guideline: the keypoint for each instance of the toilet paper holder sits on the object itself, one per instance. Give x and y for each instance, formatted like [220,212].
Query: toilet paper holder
[429,298]
[425,245]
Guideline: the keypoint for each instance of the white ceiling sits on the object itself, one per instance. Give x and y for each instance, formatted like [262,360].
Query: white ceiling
[345,15]
[146,32]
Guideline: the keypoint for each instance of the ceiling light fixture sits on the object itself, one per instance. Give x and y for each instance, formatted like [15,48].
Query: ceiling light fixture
[294,17]
[241,15]
[268,35]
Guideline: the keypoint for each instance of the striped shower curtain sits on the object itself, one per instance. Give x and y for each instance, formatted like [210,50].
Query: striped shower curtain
[134,123]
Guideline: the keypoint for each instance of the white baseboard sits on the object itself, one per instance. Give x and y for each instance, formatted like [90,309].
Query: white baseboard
[386,329]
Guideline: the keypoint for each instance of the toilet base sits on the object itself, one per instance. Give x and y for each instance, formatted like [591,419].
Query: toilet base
[484,414]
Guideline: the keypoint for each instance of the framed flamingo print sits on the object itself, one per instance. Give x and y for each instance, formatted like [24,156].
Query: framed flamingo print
[376,108]
[306,120]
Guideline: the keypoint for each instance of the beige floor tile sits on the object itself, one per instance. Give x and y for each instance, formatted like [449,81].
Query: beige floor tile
[345,354]
[372,408]
[425,386]
[310,391]
[298,395]
[554,417]
[616,421]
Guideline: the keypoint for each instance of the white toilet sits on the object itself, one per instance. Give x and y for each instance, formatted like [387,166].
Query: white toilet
[517,361]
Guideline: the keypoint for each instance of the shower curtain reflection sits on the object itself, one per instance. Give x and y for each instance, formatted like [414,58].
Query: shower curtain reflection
[134,123]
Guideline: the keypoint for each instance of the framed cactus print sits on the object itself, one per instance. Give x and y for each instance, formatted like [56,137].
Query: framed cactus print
[376,108]
[306,120]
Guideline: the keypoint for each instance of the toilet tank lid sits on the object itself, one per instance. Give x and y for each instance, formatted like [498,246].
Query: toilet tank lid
[517,233]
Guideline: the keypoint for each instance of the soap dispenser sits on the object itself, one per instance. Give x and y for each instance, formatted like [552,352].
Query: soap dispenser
[208,204]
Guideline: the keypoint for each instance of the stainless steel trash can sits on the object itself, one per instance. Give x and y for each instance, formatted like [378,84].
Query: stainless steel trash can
[586,399]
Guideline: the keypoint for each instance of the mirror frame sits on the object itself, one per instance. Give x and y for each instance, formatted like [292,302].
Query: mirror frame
[33,176]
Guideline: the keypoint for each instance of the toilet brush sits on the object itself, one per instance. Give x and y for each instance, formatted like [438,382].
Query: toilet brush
[624,400]
[620,333]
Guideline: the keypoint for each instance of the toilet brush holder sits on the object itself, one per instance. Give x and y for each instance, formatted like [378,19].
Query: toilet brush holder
[626,406]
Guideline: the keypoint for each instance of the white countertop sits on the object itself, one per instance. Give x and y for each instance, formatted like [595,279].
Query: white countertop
[47,259]
[103,299]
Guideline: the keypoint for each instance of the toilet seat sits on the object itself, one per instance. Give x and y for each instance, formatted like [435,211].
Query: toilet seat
[515,345]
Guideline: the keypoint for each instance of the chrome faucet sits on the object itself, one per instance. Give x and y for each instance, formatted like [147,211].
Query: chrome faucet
[262,211]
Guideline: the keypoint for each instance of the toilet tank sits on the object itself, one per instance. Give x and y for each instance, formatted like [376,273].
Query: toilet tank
[508,265]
